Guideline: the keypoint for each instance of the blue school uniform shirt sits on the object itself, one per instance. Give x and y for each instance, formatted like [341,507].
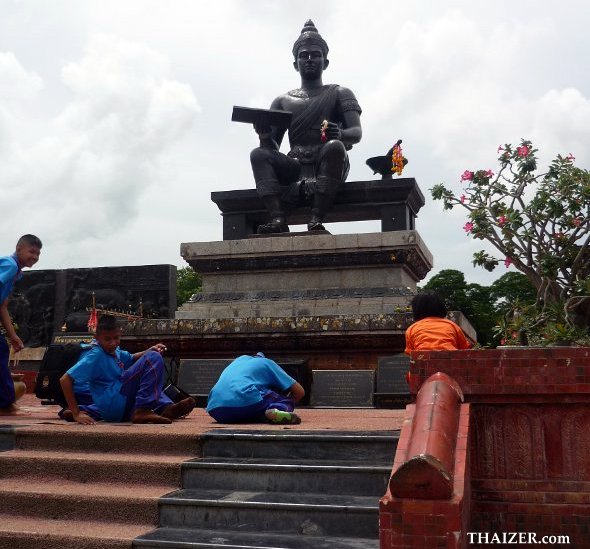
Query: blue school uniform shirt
[9,274]
[102,374]
[245,382]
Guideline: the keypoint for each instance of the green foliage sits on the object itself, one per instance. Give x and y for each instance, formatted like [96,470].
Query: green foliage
[188,282]
[506,312]
[510,289]
[473,300]
[551,325]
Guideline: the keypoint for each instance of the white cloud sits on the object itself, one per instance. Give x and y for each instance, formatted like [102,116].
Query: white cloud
[99,134]
[84,178]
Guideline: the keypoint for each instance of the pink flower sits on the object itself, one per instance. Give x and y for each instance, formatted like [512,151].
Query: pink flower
[502,220]
[466,176]
[462,199]
[489,173]
[508,261]
[577,221]
[502,341]
[570,157]
[523,151]
[468,227]
[500,148]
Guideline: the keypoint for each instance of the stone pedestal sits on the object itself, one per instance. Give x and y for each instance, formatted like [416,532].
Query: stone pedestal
[339,301]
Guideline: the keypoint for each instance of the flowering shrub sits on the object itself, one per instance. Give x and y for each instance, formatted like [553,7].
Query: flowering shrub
[537,222]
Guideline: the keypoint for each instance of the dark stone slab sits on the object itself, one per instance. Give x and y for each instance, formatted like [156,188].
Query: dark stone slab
[197,376]
[43,301]
[343,388]
[412,260]
[392,388]
[395,203]
[391,374]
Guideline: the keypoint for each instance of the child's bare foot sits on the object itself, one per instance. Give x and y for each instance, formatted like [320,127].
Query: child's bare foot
[9,410]
[180,409]
[142,415]
[67,415]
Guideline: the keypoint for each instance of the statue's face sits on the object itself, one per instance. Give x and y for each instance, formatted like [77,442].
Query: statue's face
[310,62]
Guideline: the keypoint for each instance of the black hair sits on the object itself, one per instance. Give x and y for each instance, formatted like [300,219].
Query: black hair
[428,304]
[106,323]
[30,240]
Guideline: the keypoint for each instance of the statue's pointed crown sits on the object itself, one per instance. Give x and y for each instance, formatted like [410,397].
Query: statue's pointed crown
[310,35]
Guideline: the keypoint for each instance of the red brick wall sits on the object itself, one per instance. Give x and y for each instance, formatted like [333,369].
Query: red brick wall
[502,375]
[529,445]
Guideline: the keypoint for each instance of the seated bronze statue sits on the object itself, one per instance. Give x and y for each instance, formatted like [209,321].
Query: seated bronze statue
[325,124]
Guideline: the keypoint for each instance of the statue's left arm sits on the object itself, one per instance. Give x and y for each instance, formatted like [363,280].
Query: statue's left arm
[348,112]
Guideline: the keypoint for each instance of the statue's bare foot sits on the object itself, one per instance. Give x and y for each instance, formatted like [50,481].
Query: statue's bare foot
[315,226]
[9,410]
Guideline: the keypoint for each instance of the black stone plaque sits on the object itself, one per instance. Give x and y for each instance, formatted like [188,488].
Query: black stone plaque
[197,376]
[299,371]
[392,388]
[391,374]
[343,388]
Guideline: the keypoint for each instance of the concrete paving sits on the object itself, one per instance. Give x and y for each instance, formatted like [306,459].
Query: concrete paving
[32,413]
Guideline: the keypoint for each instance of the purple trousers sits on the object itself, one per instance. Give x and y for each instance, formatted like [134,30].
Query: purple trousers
[142,384]
[7,396]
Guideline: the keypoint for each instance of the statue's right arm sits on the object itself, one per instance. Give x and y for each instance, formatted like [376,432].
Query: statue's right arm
[277,133]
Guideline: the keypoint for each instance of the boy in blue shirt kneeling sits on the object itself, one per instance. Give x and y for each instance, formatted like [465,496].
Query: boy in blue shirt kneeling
[124,387]
[247,389]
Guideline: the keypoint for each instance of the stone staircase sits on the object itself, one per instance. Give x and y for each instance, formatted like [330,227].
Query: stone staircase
[278,489]
[74,487]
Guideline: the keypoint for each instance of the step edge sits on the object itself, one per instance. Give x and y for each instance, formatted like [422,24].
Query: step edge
[193,465]
[195,502]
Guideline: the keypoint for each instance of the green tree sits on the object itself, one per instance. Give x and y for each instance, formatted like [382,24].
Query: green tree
[188,282]
[512,288]
[473,300]
[538,222]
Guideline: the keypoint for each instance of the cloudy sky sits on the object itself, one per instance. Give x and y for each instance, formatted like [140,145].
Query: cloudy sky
[115,115]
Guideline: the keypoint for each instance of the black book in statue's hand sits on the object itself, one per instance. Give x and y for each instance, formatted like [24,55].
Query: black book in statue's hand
[262,117]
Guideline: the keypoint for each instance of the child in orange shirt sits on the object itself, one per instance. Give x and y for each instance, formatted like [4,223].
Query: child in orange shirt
[431,331]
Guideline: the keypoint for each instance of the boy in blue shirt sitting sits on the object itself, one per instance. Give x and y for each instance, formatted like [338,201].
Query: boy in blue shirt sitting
[124,387]
[28,249]
[247,389]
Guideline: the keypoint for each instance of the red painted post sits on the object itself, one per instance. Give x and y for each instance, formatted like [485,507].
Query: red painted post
[427,472]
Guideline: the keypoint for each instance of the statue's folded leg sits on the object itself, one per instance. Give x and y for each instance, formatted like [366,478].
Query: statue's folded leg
[272,172]
[324,192]
[277,223]
[332,170]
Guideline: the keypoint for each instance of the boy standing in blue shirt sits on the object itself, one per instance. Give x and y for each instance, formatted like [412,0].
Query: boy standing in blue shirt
[28,249]
[124,387]
[247,389]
